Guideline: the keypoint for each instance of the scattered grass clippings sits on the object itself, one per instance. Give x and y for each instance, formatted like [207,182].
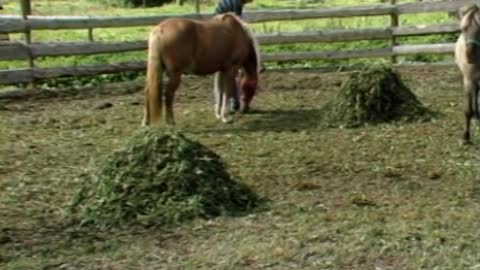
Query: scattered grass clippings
[388,196]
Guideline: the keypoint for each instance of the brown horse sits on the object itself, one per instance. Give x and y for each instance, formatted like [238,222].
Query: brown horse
[467,53]
[178,46]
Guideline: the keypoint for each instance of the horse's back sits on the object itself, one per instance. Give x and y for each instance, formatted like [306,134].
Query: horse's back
[176,30]
[177,38]
[201,47]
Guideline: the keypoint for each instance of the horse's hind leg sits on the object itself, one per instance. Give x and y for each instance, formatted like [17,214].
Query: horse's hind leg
[146,113]
[171,87]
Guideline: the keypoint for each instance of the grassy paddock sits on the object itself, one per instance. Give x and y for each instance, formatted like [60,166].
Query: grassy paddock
[380,197]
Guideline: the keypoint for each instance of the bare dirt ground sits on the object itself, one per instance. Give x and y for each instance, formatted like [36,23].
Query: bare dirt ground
[391,196]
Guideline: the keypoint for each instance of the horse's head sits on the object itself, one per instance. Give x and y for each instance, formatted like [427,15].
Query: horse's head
[249,80]
[251,63]
[248,86]
[470,26]
[252,67]
[251,74]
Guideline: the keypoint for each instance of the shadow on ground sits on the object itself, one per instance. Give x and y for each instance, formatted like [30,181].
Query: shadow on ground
[276,120]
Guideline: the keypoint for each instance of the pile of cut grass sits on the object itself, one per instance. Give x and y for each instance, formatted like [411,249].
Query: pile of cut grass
[371,96]
[160,177]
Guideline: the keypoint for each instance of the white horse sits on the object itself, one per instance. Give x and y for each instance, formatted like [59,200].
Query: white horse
[467,57]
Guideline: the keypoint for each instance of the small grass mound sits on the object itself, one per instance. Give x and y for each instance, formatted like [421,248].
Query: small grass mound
[160,178]
[373,96]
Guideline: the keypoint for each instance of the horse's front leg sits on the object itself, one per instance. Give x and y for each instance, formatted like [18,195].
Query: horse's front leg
[475,101]
[229,82]
[172,85]
[470,102]
[217,95]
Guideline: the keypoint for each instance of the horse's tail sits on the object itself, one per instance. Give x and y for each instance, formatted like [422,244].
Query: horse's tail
[154,79]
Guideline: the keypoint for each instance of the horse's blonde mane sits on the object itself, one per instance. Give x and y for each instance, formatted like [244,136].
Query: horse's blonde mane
[469,15]
[256,47]
[249,32]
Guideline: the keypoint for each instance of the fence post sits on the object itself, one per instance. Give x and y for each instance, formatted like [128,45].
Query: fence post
[90,34]
[27,10]
[393,23]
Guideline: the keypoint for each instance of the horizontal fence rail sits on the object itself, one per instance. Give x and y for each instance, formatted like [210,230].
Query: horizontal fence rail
[29,51]
[30,75]
[24,76]
[12,24]
[19,51]
[15,24]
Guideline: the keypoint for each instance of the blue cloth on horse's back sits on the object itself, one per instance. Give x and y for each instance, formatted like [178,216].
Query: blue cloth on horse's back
[225,6]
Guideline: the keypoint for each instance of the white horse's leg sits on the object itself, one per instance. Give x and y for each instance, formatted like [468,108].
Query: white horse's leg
[228,78]
[217,95]
[226,117]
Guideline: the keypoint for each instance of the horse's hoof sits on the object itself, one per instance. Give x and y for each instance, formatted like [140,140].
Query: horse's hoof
[218,116]
[170,122]
[236,107]
[245,110]
[466,139]
[227,120]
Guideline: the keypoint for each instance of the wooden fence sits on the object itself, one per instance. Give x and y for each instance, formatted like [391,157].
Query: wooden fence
[29,51]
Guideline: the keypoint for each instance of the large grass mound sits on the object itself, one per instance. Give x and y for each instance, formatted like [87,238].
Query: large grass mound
[160,178]
[373,96]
